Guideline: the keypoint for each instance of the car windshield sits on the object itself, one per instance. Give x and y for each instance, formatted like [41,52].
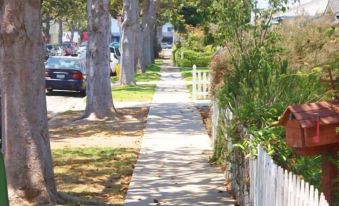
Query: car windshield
[64,63]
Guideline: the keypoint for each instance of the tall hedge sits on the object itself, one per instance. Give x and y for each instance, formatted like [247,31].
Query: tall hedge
[187,58]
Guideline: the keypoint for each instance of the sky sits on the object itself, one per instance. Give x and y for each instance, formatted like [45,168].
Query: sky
[264,3]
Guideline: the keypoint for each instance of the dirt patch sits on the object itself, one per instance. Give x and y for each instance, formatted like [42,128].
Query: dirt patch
[125,131]
[205,115]
[94,160]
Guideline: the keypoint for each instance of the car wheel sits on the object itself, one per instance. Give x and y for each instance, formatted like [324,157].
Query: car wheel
[83,93]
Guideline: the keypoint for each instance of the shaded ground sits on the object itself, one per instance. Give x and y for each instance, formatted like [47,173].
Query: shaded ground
[123,132]
[95,159]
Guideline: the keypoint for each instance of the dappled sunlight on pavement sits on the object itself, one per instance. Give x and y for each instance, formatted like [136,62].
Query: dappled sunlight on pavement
[173,167]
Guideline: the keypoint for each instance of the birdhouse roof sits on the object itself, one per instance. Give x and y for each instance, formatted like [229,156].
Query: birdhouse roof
[307,114]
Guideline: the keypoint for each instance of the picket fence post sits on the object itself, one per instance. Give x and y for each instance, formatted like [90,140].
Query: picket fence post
[194,82]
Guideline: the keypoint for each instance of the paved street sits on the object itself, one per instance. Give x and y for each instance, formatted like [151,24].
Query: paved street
[62,101]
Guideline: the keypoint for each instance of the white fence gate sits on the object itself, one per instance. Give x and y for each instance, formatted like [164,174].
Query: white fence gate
[270,185]
[200,84]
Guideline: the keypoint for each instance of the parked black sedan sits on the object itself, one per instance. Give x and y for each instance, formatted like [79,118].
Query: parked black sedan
[65,73]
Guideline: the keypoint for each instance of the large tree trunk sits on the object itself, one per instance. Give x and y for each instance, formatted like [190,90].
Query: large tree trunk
[148,25]
[99,93]
[128,42]
[26,145]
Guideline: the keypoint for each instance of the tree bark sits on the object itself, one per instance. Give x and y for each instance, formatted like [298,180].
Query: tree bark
[46,29]
[72,31]
[138,45]
[60,31]
[148,24]
[99,93]
[47,32]
[128,42]
[26,145]
[153,43]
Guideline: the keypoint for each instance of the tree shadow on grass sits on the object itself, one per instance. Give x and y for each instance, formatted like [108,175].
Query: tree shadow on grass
[100,174]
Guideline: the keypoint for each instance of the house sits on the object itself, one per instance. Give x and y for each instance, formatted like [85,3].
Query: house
[54,32]
[309,8]
[116,29]
[167,33]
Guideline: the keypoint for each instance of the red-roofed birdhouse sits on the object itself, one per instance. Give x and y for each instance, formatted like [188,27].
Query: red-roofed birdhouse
[311,125]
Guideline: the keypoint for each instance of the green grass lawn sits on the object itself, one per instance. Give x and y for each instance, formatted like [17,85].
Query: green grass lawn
[151,74]
[159,62]
[186,72]
[133,93]
[140,92]
[101,174]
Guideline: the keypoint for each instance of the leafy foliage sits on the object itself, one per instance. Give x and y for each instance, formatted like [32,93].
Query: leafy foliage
[73,12]
[187,58]
[260,81]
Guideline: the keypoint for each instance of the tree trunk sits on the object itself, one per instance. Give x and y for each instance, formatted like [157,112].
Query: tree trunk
[148,24]
[60,31]
[46,29]
[128,42]
[72,31]
[26,145]
[47,32]
[159,34]
[99,93]
[153,43]
[138,46]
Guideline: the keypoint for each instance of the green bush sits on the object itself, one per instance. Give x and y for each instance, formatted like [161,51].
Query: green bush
[263,80]
[187,58]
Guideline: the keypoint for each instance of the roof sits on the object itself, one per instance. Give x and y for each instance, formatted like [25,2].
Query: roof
[307,114]
[311,8]
[333,5]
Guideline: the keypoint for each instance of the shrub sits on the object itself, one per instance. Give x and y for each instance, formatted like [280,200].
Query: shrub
[187,58]
[260,82]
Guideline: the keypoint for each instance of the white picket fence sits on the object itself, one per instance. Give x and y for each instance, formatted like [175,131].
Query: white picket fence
[270,185]
[200,84]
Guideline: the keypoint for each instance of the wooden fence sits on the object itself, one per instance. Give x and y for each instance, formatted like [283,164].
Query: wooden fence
[269,184]
[200,84]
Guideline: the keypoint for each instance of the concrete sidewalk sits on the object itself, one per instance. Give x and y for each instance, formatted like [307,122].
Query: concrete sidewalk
[173,167]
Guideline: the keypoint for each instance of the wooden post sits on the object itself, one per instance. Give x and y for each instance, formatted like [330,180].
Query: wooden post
[329,178]
[194,82]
